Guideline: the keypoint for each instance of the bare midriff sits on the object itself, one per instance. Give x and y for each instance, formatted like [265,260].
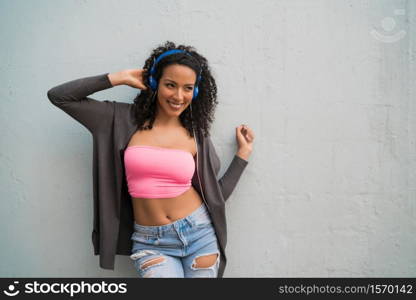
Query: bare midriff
[162,211]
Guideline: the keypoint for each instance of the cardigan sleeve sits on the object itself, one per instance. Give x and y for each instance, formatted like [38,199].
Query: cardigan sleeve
[72,98]
[230,178]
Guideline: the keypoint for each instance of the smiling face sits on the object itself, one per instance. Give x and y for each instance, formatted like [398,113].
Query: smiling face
[176,86]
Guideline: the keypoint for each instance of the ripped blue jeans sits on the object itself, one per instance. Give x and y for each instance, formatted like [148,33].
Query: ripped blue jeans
[188,247]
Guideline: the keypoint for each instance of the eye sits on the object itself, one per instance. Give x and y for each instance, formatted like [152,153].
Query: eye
[190,88]
[169,84]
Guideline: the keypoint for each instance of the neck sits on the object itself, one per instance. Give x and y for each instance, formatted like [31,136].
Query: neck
[165,121]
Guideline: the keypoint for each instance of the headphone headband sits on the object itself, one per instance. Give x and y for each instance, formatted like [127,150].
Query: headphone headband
[169,52]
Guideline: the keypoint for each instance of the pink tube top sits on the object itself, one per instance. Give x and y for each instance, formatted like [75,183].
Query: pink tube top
[156,172]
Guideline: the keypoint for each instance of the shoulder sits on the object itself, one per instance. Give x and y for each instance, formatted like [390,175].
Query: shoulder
[124,113]
[207,139]
[211,148]
[123,105]
[124,108]
[212,152]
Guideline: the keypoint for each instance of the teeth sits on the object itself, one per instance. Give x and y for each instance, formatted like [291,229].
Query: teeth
[175,105]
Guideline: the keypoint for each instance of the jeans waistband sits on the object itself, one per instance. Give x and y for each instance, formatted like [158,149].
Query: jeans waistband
[200,212]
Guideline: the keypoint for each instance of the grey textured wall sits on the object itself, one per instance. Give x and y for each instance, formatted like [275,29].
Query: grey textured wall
[327,86]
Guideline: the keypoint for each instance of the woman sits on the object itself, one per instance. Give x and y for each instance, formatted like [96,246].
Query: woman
[165,198]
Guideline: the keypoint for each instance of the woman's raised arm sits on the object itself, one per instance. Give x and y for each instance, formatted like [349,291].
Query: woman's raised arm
[72,98]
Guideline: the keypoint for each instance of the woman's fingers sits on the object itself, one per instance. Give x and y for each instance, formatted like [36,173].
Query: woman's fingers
[248,132]
[141,84]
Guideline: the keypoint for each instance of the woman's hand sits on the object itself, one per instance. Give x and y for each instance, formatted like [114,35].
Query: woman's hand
[245,138]
[130,77]
[134,78]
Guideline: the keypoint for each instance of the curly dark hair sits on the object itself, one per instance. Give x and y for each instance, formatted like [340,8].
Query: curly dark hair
[203,106]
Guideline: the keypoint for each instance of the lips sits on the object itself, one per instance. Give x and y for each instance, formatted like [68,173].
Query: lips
[174,104]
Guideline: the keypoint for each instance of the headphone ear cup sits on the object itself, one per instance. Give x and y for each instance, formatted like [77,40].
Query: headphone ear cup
[196,90]
[152,83]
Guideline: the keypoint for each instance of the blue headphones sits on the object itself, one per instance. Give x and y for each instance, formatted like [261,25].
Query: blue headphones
[153,82]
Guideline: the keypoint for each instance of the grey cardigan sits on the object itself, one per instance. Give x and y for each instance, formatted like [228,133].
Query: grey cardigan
[112,124]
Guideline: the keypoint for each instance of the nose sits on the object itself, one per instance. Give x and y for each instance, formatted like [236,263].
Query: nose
[179,94]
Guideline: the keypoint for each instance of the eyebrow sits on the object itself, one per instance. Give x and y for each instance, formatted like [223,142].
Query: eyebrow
[166,79]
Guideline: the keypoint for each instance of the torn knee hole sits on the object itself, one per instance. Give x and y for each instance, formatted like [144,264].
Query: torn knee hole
[205,261]
[152,262]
